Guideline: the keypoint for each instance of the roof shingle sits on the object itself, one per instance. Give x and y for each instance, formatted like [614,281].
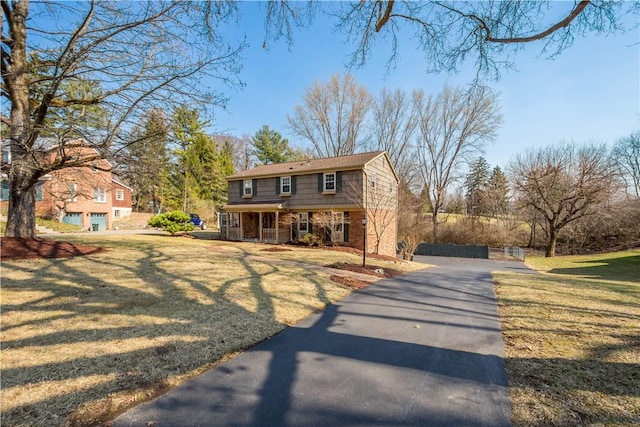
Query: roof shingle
[353,161]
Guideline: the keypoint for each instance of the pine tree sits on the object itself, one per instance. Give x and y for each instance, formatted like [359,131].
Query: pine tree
[498,192]
[146,162]
[476,187]
[201,164]
[269,147]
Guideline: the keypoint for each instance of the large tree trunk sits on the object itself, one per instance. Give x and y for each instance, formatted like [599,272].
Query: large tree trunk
[21,220]
[550,250]
[434,226]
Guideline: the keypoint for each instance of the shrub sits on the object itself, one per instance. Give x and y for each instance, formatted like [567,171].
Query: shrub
[311,240]
[172,222]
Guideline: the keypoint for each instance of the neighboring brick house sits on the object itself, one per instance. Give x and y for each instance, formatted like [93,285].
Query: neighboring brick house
[86,195]
[277,203]
[121,199]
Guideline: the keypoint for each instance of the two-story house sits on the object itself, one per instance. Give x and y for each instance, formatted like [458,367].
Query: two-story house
[89,196]
[353,194]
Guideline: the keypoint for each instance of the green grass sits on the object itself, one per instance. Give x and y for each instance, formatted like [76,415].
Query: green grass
[623,265]
[58,226]
[52,225]
[572,340]
[84,338]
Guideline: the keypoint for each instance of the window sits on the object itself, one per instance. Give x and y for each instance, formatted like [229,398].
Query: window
[303,222]
[247,186]
[5,190]
[119,194]
[234,220]
[72,192]
[39,192]
[337,229]
[116,213]
[374,178]
[329,182]
[99,195]
[6,155]
[285,185]
[391,186]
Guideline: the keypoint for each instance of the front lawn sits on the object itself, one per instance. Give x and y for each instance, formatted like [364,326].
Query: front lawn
[572,340]
[86,337]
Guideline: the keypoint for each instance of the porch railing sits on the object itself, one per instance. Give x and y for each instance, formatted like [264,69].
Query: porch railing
[234,233]
[269,235]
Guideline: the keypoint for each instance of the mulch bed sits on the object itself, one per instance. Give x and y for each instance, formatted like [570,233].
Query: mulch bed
[276,249]
[14,248]
[368,269]
[357,284]
[350,282]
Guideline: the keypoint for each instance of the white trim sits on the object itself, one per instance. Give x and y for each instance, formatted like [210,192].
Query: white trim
[100,195]
[245,188]
[333,182]
[282,185]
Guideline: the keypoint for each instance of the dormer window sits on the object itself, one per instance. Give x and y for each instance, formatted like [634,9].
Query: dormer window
[285,185]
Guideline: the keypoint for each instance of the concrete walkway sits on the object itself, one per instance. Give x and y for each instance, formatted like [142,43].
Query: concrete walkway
[421,349]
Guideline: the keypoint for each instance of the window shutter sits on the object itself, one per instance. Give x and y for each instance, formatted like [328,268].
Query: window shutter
[338,181]
[310,230]
[254,183]
[278,185]
[293,184]
[320,182]
[346,227]
[241,185]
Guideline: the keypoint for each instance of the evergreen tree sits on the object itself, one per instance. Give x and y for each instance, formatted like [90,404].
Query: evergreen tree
[201,164]
[269,147]
[147,162]
[476,187]
[498,192]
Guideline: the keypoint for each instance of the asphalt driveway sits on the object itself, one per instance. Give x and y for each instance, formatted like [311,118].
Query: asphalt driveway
[421,349]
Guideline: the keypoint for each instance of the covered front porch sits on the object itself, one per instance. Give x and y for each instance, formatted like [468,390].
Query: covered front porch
[268,223]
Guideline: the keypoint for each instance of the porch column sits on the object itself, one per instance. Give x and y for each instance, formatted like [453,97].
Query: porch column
[241,226]
[277,226]
[260,225]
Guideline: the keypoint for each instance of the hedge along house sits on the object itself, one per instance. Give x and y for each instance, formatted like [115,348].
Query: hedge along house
[336,198]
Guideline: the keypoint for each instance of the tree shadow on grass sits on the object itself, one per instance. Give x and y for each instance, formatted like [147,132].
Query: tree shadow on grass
[131,336]
[623,268]
[569,392]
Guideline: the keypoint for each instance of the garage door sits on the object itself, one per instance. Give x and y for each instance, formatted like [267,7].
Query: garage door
[74,218]
[98,221]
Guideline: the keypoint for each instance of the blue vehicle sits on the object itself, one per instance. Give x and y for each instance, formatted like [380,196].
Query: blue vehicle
[197,221]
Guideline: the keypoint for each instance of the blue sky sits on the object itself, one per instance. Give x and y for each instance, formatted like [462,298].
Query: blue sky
[590,93]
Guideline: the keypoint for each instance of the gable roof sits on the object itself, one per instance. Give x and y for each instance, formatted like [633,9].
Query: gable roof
[300,167]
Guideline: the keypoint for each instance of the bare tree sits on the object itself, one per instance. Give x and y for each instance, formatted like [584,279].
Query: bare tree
[135,56]
[393,125]
[379,199]
[453,127]
[562,183]
[488,33]
[332,116]
[626,154]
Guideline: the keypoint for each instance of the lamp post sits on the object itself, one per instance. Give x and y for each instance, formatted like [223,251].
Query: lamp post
[364,240]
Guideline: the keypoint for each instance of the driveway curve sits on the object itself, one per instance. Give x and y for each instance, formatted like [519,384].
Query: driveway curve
[421,349]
